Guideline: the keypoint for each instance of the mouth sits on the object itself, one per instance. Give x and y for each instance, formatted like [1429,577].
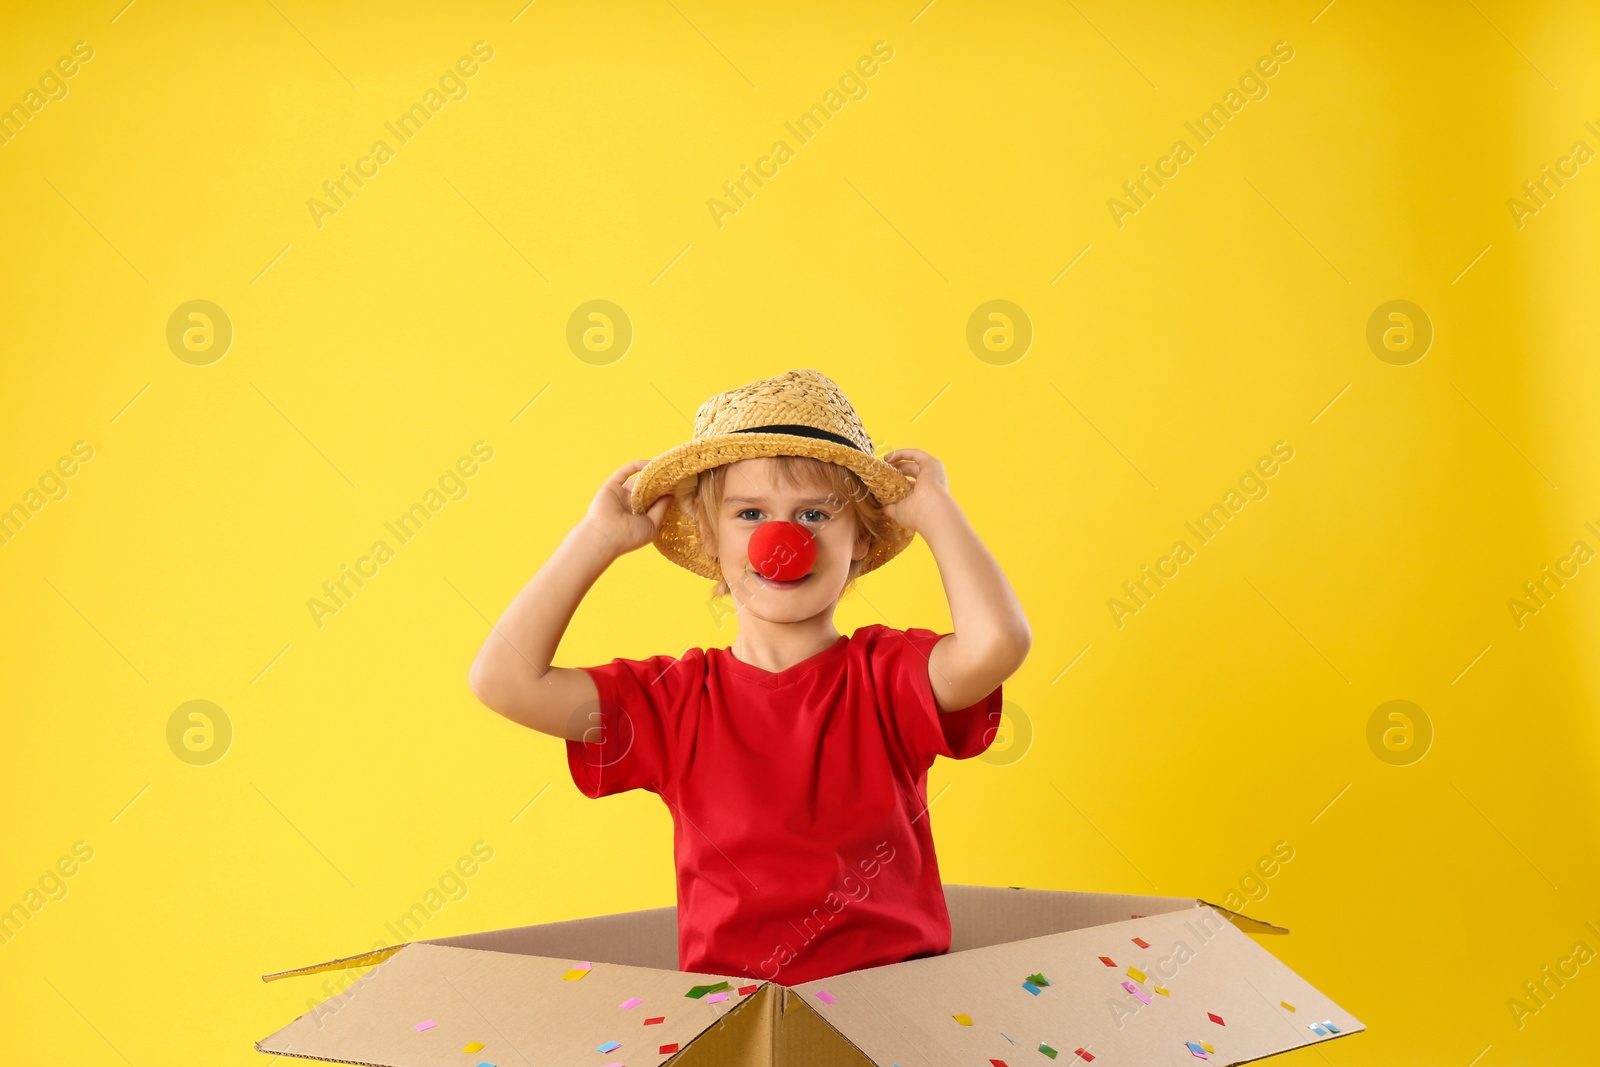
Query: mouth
[775,584]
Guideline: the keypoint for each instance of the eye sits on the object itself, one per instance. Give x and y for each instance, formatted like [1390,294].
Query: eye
[822,515]
[748,511]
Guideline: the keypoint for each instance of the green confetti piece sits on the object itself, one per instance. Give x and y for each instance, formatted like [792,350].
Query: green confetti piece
[701,990]
[1047,1050]
[1038,979]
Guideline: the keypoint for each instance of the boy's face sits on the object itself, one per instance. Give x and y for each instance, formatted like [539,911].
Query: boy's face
[754,493]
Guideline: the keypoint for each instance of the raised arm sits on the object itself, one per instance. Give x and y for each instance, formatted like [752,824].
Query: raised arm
[991,635]
[512,673]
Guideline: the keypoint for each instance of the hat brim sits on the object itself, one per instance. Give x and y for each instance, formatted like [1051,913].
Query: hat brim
[678,539]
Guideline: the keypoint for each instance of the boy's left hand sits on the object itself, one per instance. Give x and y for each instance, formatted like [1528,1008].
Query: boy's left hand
[930,491]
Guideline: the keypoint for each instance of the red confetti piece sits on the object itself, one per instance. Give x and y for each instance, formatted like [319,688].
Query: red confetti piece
[1084,1055]
[1214,1017]
[746,990]
[998,1063]
[668,1048]
[657,1019]
[1141,942]
[1108,961]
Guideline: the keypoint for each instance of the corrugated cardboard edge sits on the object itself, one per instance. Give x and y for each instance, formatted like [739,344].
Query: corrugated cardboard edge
[309,1056]
[364,959]
[1244,922]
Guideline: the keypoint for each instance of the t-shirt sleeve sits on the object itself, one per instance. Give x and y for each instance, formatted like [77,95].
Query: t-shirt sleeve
[638,727]
[926,731]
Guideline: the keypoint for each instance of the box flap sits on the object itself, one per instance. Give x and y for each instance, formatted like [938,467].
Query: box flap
[1199,980]
[520,1008]
[646,938]
[979,915]
[634,938]
[993,915]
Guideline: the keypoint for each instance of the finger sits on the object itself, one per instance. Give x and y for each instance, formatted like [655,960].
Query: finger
[627,468]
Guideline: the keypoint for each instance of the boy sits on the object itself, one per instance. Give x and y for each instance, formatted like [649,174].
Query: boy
[794,762]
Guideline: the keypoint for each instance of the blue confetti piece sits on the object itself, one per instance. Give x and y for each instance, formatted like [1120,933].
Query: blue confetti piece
[1330,1026]
[1030,987]
[1317,1029]
[608,1046]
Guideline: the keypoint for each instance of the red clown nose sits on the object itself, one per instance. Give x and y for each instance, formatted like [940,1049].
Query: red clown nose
[782,551]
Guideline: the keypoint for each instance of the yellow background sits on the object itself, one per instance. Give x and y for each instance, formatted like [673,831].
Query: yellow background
[427,314]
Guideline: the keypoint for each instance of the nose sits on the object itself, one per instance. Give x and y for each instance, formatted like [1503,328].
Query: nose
[782,551]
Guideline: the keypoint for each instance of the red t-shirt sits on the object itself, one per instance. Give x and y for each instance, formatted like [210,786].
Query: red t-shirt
[799,798]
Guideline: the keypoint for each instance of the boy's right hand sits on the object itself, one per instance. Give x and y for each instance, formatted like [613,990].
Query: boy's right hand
[611,518]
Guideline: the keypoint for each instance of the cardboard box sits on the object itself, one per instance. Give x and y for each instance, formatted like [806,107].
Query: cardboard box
[1031,976]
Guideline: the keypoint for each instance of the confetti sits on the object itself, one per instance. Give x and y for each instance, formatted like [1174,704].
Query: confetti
[1162,990]
[1136,974]
[486,1063]
[825,996]
[1214,1017]
[998,1063]
[631,1002]
[746,990]
[716,998]
[1082,1055]
[1108,961]
[1196,1051]
[1008,1037]
[1286,1004]
[1047,1050]
[656,1019]
[1030,987]
[427,1025]
[1039,979]
[472,1046]
[701,990]
[1330,1026]
[1136,991]
[575,973]
[1317,1029]
[609,1046]
[964,1019]
[664,1049]
[1208,1047]
[1141,942]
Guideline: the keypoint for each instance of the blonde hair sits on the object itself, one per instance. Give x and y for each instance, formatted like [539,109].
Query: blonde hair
[699,496]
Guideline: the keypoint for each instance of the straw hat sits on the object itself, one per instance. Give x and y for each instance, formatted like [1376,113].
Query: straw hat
[798,413]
